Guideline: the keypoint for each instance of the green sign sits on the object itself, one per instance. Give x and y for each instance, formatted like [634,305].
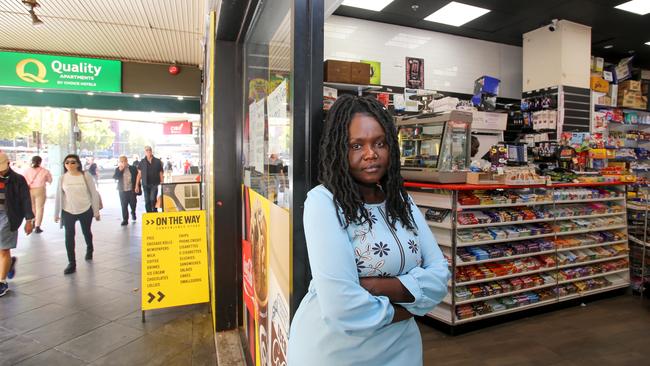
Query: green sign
[60,72]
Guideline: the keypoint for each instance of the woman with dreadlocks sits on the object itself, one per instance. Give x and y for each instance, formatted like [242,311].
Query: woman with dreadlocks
[373,259]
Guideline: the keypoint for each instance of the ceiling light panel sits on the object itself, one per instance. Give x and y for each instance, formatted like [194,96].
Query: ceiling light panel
[374,5]
[648,43]
[641,7]
[456,14]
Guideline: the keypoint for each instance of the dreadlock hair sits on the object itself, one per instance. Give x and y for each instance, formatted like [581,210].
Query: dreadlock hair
[334,167]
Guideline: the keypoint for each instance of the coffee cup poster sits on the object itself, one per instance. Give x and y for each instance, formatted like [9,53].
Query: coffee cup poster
[266,281]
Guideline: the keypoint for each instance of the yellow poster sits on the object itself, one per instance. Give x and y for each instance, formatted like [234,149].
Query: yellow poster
[174,259]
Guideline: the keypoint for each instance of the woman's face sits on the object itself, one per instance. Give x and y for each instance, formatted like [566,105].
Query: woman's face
[367,149]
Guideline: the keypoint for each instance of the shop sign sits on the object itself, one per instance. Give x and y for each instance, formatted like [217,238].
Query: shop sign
[174,259]
[60,72]
[177,128]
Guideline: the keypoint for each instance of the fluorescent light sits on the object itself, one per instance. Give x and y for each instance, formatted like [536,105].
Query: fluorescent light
[456,14]
[375,5]
[641,7]
[647,43]
[39,90]
[180,97]
[136,95]
[608,46]
[90,93]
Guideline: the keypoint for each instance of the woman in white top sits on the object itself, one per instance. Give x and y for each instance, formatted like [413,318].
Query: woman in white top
[76,199]
[37,177]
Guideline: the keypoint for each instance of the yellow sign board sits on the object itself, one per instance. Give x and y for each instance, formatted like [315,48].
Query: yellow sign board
[174,259]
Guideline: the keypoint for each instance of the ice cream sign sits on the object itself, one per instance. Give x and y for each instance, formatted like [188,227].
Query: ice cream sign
[59,72]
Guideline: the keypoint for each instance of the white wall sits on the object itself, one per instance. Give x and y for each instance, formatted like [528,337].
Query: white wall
[451,63]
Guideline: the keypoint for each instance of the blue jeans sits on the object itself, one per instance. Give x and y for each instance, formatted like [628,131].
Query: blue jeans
[150,193]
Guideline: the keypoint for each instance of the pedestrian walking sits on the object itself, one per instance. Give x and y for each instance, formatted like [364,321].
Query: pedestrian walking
[37,177]
[126,176]
[150,176]
[15,206]
[77,199]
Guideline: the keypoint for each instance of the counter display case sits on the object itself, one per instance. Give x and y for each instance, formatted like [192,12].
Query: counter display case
[512,248]
[435,148]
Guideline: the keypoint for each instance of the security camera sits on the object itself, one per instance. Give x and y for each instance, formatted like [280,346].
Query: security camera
[553,26]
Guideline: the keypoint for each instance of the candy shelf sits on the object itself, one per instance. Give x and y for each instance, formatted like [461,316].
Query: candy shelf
[603,229]
[578,264]
[499,259]
[496,278]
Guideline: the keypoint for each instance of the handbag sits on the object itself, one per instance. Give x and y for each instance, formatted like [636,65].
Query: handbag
[101,204]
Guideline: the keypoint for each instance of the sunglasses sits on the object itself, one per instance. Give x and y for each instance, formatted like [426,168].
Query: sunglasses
[72,162]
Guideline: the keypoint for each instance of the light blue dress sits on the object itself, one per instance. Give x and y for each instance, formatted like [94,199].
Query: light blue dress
[340,323]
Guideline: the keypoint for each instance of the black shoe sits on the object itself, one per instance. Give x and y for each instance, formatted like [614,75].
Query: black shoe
[124,223]
[71,268]
[133,217]
[38,230]
[89,256]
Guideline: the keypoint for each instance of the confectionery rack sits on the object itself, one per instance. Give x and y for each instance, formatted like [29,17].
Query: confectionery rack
[512,248]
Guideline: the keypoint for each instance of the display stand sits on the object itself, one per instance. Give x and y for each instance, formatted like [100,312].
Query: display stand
[575,245]
[639,241]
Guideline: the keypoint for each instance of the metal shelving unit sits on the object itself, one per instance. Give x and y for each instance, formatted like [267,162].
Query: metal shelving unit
[447,234]
[639,241]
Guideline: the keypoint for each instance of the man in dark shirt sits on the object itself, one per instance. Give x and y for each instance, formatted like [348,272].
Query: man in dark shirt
[150,175]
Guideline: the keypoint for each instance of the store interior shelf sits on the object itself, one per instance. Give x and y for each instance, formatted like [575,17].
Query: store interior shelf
[592,245]
[496,241]
[546,269]
[601,106]
[621,284]
[640,242]
[579,264]
[534,203]
[504,223]
[468,301]
[626,269]
[441,225]
[353,87]
[497,313]
[522,238]
[607,199]
[499,259]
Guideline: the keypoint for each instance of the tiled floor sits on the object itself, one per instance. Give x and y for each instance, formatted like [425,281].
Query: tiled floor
[610,331]
[93,317]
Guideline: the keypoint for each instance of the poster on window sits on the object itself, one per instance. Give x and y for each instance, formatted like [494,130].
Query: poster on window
[257,147]
[266,279]
[414,73]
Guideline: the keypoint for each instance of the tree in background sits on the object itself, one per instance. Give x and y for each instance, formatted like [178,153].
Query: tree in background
[96,135]
[15,123]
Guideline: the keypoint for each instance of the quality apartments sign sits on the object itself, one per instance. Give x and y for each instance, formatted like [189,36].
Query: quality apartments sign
[59,72]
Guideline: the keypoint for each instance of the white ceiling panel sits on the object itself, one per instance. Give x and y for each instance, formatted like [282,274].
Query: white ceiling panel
[161,31]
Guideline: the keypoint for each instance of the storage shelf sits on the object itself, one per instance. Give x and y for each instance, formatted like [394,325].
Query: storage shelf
[561,218]
[580,264]
[354,87]
[469,301]
[595,291]
[592,230]
[440,225]
[499,259]
[507,311]
[546,269]
[626,269]
[603,244]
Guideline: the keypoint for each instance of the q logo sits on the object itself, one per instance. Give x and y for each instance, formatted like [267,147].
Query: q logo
[26,76]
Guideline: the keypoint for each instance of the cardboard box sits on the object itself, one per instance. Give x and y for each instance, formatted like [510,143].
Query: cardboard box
[631,85]
[632,99]
[359,73]
[337,71]
[599,84]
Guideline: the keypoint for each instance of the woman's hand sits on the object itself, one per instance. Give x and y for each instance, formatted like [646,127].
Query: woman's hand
[56,219]
[401,314]
[97,217]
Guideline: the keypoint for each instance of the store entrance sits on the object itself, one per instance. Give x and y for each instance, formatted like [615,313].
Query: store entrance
[100,302]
